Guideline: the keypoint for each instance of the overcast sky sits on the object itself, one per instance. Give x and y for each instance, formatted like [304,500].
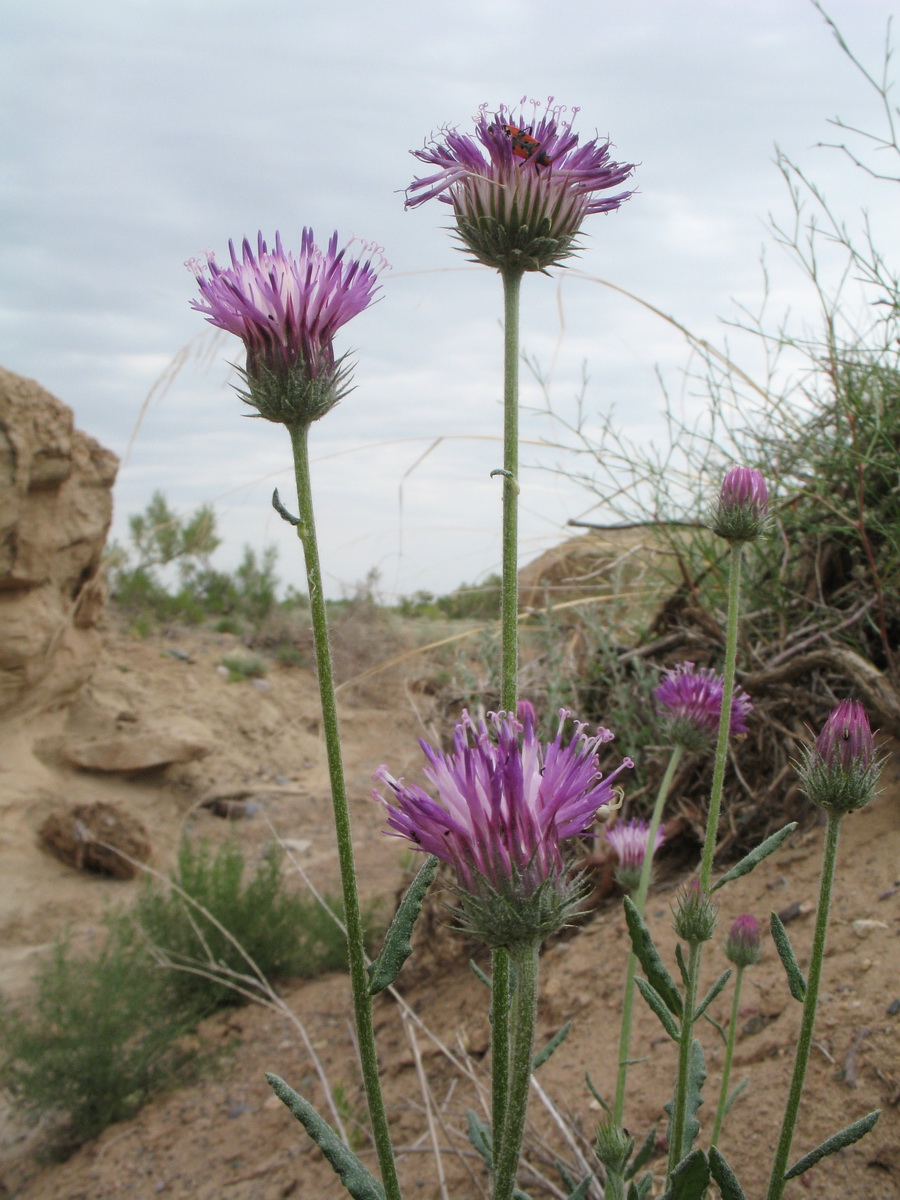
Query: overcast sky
[138,133]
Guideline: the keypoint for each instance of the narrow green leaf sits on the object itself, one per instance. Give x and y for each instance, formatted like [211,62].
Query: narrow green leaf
[642,1155]
[648,956]
[715,1024]
[795,977]
[567,1180]
[742,1086]
[838,1141]
[353,1175]
[690,1179]
[480,1137]
[655,1000]
[724,1177]
[682,965]
[480,975]
[557,1040]
[712,993]
[640,1190]
[695,1081]
[397,946]
[597,1095]
[749,861]
[582,1190]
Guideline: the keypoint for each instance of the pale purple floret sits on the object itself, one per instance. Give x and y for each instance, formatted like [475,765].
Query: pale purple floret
[286,308]
[846,739]
[745,488]
[506,801]
[692,696]
[629,840]
[555,163]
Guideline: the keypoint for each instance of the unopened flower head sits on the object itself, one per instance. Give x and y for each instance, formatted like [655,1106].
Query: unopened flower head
[840,772]
[742,944]
[695,914]
[505,805]
[742,510]
[520,185]
[690,698]
[614,1145]
[286,309]
[629,840]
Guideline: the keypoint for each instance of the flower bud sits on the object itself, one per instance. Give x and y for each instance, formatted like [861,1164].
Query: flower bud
[840,772]
[613,1145]
[742,511]
[695,914]
[742,946]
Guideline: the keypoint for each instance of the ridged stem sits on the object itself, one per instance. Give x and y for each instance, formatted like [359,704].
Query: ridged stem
[362,1004]
[524,1016]
[804,1041]
[715,798]
[729,1055]
[640,901]
[679,1110]
[500,979]
[509,593]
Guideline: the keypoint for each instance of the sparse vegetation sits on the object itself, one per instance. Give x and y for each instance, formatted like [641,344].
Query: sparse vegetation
[105,1027]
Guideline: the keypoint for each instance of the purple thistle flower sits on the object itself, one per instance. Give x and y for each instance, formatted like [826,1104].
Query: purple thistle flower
[742,510]
[629,840]
[840,771]
[506,803]
[742,944]
[287,309]
[691,698]
[521,185]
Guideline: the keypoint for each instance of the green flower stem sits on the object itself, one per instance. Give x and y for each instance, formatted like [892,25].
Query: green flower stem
[715,799]
[362,1005]
[509,597]
[640,901]
[499,1044]
[804,1042]
[509,661]
[729,1055]
[679,1110]
[524,1015]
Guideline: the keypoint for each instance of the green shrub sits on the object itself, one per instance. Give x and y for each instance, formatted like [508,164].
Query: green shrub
[97,1039]
[286,934]
[245,666]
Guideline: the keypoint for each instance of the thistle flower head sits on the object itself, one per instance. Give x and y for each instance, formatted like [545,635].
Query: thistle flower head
[287,309]
[629,839]
[695,914]
[742,944]
[505,805]
[742,510]
[691,699]
[520,185]
[840,772]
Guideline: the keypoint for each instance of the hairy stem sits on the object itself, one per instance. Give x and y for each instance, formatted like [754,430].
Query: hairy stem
[509,596]
[729,1055]
[804,1041]
[362,1005]
[500,980]
[677,1149]
[524,1015]
[715,799]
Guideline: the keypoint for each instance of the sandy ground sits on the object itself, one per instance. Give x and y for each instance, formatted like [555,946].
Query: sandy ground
[229,1137]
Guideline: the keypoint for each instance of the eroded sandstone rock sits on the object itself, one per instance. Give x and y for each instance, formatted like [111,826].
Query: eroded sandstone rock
[55,511]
